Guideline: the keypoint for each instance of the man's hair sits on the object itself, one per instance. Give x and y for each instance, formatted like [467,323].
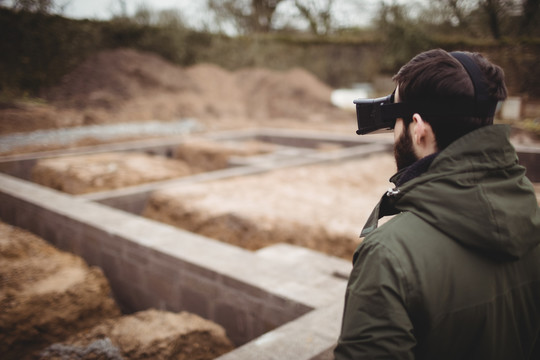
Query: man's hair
[435,75]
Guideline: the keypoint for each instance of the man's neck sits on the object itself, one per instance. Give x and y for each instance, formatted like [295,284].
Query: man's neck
[413,171]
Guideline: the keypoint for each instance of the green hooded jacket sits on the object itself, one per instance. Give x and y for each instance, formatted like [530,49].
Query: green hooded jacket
[456,273]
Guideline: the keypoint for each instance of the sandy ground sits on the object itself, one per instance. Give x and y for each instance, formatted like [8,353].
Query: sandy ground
[46,294]
[321,207]
[150,334]
[90,173]
[50,297]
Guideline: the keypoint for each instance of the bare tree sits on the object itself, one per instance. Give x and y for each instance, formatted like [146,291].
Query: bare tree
[40,6]
[459,12]
[318,14]
[493,8]
[531,16]
[246,15]
[494,17]
[263,11]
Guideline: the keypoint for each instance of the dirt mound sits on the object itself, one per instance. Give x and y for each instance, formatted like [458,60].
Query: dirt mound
[27,118]
[294,94]
[109,78]
[50,298]
[127,85]
[207,155]
[149,334]
[218,92]
[46,295]
[320,207]
[97,172]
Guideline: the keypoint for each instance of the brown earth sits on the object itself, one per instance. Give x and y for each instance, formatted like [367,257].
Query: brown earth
[206,155]
[321,207]
[125,85]
[150,334]
[46,295]
[106,171]
[49,297]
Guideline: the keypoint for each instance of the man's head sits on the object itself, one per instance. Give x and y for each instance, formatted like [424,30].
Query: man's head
[433,77]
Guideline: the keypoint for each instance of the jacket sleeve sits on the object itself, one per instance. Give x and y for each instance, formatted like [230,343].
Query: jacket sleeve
[376,324]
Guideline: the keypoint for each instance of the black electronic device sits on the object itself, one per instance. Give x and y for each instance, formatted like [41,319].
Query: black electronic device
[374,115]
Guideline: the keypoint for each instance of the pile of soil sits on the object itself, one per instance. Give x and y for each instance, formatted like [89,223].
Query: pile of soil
[125,85]
[322,207]
[150,334]
[105,171]
[46,295]
[206,155]
[52,297]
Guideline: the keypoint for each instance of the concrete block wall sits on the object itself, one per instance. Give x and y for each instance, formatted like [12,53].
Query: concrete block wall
[152,265]
[281,302]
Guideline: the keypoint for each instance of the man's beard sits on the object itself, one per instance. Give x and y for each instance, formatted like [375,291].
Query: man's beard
[403,150]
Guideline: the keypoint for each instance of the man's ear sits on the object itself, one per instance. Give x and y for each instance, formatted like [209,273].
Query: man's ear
[423,136]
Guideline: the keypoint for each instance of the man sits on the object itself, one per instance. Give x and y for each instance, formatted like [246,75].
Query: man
[455,274]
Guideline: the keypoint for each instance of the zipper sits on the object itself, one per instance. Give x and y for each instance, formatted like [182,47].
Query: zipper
[392,192]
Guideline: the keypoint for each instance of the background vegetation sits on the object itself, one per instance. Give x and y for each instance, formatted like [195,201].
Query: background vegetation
[37,47]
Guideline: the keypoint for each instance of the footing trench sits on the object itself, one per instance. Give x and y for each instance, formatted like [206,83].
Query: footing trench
[280,301]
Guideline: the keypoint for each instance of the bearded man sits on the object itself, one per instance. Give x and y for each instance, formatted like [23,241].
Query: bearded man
[455,273]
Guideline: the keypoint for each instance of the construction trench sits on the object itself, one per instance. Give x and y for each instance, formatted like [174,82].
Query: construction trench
[277,297]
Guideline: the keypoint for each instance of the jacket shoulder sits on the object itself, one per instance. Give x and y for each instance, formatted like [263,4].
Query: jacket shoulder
[404,229]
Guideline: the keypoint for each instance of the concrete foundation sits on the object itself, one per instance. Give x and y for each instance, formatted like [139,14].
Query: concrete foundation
[281,302]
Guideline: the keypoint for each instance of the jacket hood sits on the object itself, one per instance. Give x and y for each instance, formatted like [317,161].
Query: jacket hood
[476,193]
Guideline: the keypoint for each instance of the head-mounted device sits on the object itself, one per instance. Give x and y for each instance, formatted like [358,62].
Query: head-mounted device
[381,113]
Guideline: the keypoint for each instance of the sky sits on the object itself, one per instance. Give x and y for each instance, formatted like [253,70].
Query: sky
[193,11]
[104,9]
[346,13]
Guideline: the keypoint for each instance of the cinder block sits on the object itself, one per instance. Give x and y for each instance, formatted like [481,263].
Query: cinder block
[248,289]
[163,287]
[109,264]
[163,263]
[242,300]
[7,212]
[67,235]
[234,320]
[307,337]
[137,254]
[208,287]
[132,272]
[113,245]
[90,251]
[189,267]
[141,299]
[194,301]
[309,260]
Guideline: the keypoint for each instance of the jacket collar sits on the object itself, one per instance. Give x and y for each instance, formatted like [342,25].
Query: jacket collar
[479,174]
[385,207]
